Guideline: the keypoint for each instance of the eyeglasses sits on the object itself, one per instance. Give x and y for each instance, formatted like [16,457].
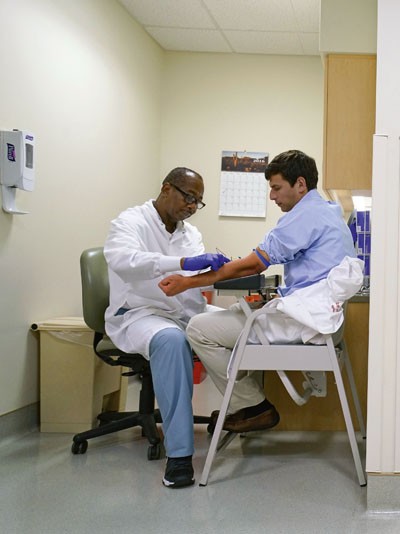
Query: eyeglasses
[188,198]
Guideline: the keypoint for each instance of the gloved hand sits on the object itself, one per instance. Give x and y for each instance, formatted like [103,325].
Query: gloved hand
[197,263]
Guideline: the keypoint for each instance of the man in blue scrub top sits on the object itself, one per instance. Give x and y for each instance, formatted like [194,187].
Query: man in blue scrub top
[309,240]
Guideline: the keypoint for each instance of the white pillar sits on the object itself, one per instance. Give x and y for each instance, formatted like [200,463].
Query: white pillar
[383,429]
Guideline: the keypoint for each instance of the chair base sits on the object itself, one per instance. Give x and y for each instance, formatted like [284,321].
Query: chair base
[111,422]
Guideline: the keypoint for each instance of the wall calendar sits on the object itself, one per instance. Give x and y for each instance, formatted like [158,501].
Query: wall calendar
[243,190]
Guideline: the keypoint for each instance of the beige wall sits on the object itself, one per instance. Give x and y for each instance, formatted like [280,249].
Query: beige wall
[71,73]
[112,114]
[348,26]
[215,102]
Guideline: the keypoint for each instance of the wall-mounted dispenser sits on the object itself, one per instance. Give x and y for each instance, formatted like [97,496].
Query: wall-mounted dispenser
[17,169]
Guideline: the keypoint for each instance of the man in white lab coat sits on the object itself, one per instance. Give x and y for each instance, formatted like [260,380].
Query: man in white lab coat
[144,243]
[316,248]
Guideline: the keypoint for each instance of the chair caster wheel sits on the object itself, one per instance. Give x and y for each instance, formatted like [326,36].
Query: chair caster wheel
[79,447]
[154,452]
[210,428]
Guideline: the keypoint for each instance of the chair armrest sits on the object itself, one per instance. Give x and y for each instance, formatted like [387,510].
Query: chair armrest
[253,282]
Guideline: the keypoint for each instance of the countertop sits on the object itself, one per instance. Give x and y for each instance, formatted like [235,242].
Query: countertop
[360,297]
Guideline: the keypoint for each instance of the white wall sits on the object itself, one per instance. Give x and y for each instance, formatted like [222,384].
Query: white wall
[87,81]
[215,102]
[383,437]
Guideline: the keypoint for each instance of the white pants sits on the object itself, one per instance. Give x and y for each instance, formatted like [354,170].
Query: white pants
[213,336]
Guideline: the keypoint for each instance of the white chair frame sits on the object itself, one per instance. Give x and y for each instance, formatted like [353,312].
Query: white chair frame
[249,357]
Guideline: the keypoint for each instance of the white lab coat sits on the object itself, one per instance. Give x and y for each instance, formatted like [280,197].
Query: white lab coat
[308,313]
[140,252]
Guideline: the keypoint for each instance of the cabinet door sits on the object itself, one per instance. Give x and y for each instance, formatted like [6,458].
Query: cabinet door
[349,121]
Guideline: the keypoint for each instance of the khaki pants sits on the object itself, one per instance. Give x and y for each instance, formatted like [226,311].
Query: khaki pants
[213,336]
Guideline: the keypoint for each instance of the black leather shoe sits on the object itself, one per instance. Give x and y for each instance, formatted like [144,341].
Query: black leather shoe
[236,422]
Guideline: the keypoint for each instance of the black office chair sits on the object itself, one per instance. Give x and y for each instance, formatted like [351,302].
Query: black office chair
[95,299]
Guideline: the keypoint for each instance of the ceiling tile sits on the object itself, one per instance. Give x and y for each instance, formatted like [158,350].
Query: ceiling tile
[310,43]
[276,15]
[307,13]
[189,40]
[265,42]
[243,26]
[170,13]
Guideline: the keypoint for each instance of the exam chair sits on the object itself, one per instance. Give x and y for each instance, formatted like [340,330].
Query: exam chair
[95,299]
[313,360]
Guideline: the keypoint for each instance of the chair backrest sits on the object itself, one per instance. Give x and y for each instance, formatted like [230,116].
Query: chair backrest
[95,288]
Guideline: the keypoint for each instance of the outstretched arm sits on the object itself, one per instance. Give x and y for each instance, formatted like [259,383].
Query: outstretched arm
[251,264]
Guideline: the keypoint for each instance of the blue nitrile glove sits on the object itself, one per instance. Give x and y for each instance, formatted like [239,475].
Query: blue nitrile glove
[197,263]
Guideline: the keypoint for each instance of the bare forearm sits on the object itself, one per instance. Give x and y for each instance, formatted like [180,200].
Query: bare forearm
[233,269]
[174,284]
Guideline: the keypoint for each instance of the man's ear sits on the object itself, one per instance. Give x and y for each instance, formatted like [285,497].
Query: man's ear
[302,184]
[165,188]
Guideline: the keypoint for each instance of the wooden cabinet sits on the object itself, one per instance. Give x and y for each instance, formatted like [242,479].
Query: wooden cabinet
[349,121]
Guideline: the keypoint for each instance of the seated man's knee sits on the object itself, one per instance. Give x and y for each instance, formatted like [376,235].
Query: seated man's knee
[195,329]
[170,337]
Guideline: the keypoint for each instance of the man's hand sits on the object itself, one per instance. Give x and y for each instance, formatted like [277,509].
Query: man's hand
[204,261]
[173,284]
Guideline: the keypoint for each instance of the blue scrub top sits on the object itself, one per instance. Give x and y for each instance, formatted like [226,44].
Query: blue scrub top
[309,241]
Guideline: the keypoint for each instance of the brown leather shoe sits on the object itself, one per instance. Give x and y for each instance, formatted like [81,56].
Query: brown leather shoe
[237,416]
[237,423]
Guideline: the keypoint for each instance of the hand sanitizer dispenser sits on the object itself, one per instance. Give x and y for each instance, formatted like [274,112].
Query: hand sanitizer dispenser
[17,170]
